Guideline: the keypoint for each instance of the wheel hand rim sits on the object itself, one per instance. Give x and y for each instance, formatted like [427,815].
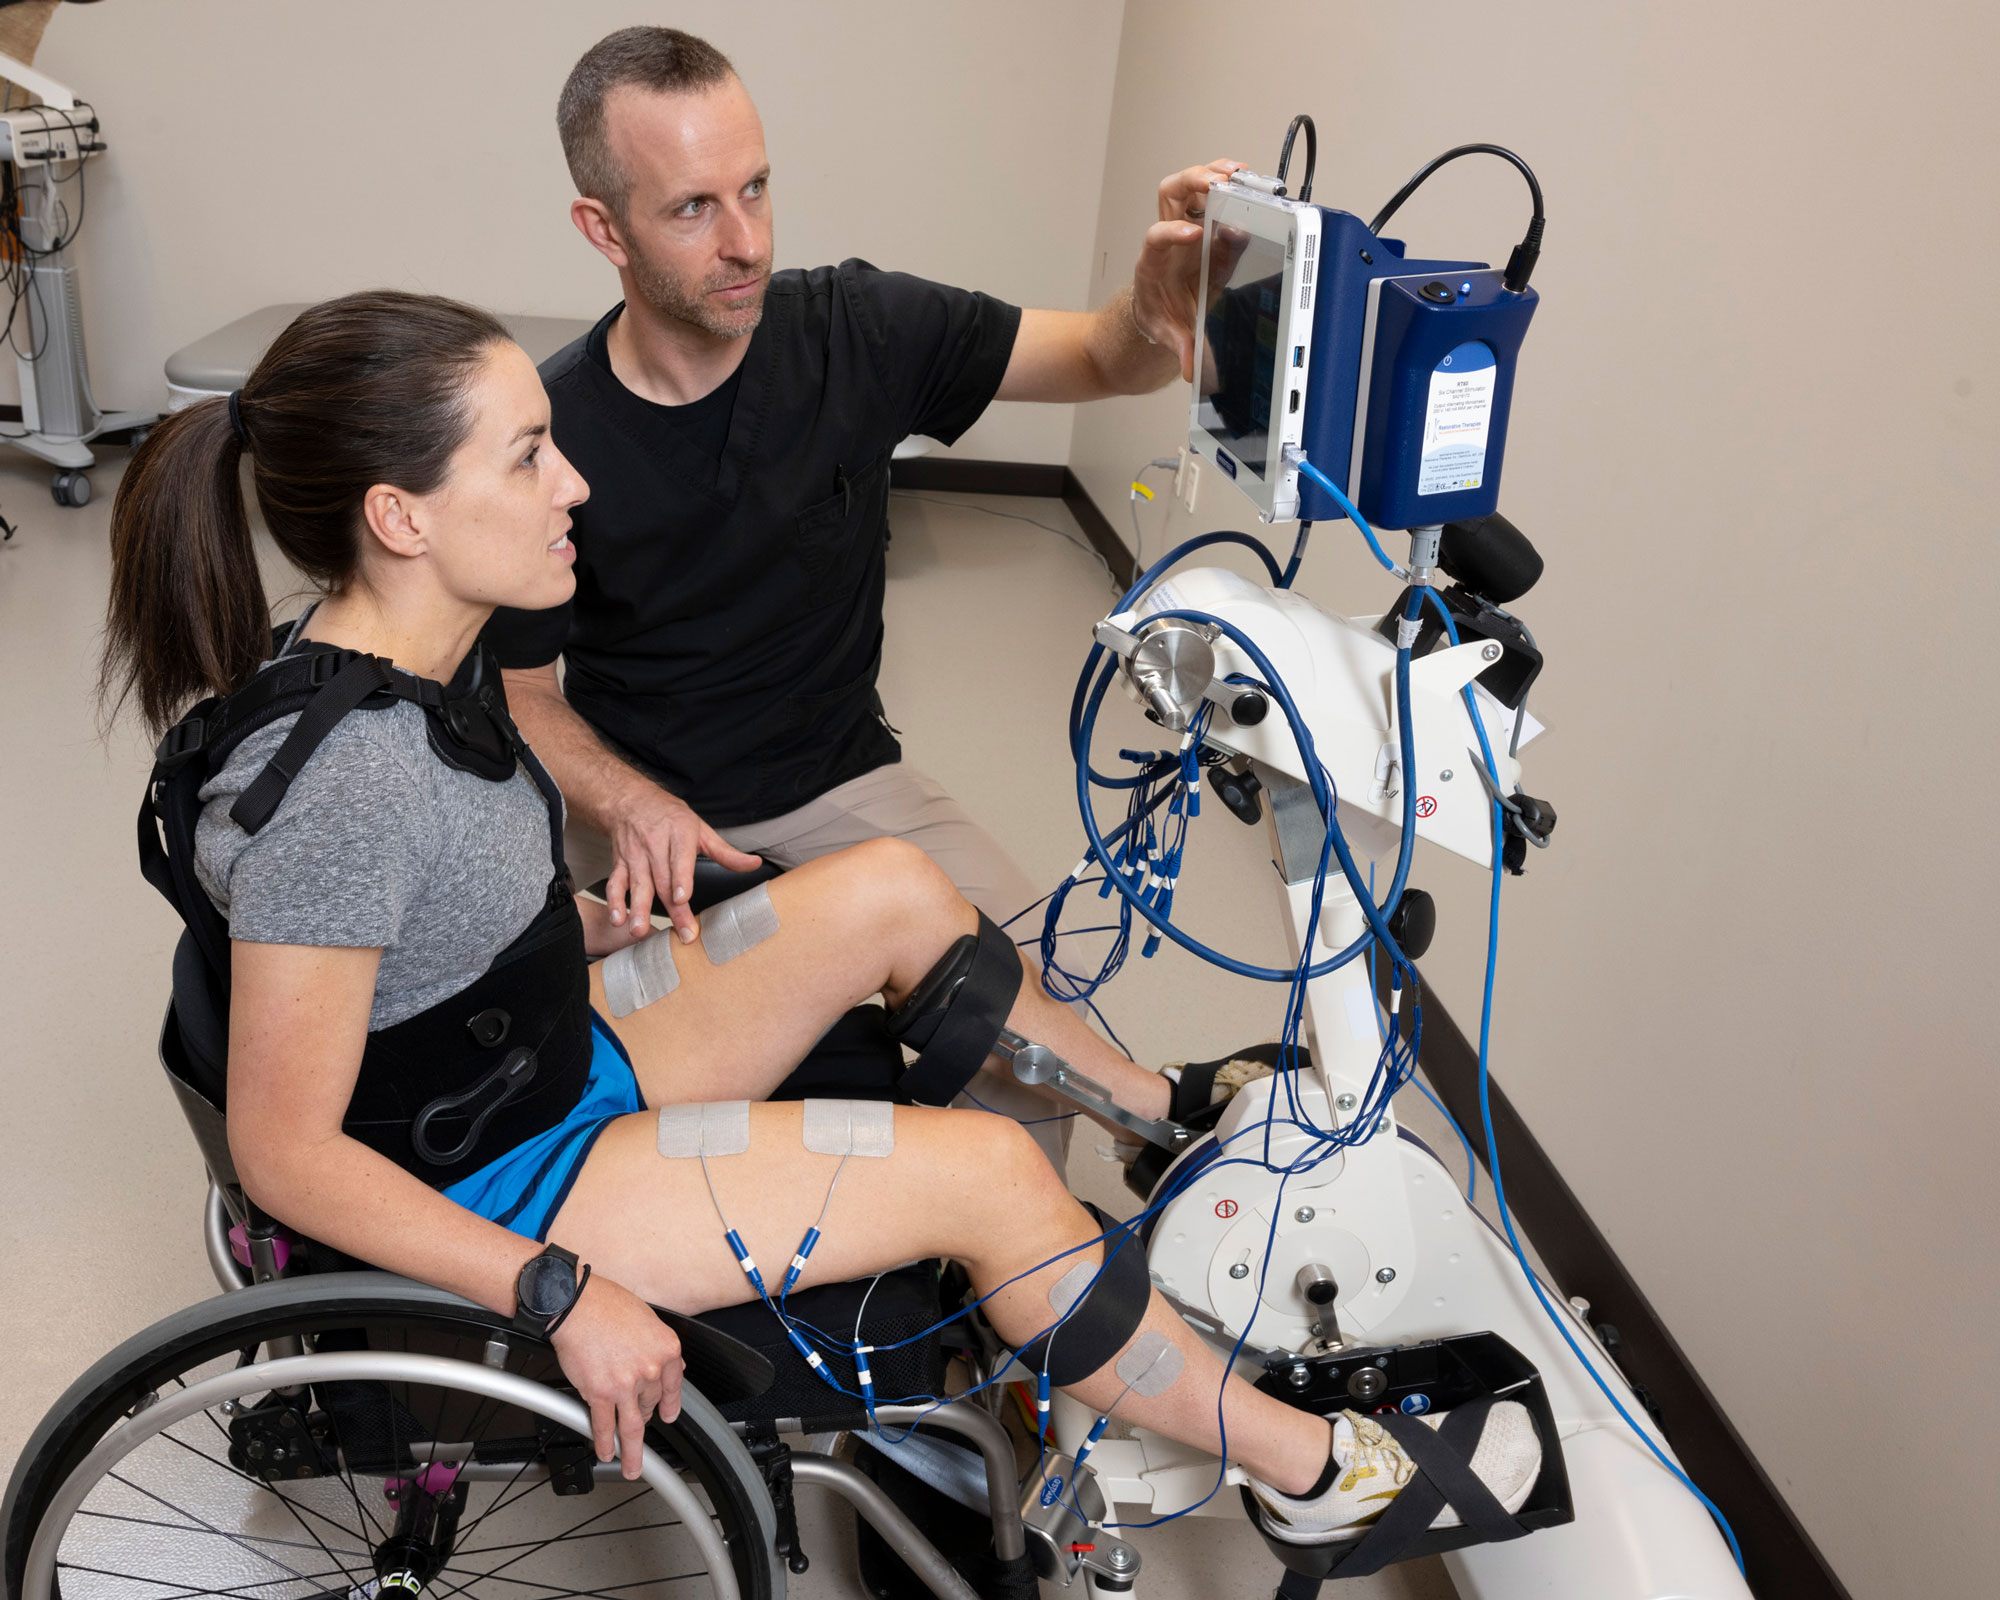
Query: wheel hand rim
[358,1366]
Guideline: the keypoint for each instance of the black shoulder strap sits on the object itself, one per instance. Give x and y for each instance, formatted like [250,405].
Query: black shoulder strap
[351,685]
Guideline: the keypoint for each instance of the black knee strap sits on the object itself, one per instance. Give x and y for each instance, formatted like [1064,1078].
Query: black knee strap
[1103,1321]
[953,1017]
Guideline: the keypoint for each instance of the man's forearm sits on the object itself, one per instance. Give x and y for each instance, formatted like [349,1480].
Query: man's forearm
[593,780]
[1125,359]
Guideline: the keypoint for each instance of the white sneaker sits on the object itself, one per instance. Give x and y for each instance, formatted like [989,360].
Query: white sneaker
[1373,1470]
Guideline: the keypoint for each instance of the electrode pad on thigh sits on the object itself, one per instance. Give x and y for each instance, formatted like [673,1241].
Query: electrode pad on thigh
[640,974]
[732,927]
[850,1127]
[720,1129]
[1151,1365]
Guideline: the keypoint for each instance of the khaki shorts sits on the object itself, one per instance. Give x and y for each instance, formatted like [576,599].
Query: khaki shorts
[897,801]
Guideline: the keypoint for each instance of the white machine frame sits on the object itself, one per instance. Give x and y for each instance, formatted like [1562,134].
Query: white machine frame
[59,414]
[1412,1259]
[1272,485]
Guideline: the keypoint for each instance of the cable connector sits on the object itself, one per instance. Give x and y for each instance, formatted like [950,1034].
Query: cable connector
[1521,264]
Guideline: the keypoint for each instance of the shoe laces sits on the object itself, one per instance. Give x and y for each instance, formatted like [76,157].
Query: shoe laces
[1373,1447]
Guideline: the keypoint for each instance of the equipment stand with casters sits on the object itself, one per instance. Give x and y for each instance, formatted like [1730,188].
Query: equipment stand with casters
[58,412]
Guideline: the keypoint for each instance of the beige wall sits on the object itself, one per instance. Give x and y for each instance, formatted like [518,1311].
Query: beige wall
[1744,991]
[274,150]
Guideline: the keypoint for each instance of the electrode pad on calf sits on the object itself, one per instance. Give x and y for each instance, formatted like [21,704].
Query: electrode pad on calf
[953,1017]
[737,924]
[640,974]
[849,1127]
[1099,1311]
[721,1129]
[1151,1365]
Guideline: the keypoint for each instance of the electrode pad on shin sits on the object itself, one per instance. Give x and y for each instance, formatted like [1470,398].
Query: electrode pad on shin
[849,1127]
[735,925]
[1099,1311]
[640,974]
[720,1129]
[953,1017]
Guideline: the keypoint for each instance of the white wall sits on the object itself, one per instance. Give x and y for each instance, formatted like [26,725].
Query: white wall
[275,150]
[1743,992]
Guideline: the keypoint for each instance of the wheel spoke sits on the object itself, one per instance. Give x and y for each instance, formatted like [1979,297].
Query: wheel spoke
[296,1510]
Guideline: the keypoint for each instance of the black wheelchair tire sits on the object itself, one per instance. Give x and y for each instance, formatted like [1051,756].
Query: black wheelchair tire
[699,1441]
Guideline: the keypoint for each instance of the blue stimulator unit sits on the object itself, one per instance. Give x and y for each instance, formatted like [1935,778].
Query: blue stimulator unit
[1325,349]
[1420,354]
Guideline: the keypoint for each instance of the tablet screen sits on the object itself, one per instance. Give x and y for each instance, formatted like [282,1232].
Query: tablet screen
[1240,355]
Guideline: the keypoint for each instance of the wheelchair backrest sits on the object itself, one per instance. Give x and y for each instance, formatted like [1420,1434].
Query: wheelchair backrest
[194,1048]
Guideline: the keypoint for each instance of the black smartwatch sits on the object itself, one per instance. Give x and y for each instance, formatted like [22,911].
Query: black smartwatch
[546,1291]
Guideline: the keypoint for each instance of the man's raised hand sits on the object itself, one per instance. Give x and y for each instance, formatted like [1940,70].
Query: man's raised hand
[1167,279]
[655,837]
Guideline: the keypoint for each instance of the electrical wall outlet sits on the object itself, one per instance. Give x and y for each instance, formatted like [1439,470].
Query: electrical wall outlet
[1191,483]
[1180,472]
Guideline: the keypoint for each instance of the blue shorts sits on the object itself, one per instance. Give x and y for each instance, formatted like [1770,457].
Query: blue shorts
[524,1189]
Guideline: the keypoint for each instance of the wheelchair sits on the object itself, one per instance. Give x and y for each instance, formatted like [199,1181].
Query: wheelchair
[324,1431]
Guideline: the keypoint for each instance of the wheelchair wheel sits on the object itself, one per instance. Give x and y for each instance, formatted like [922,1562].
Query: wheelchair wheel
[308,1438]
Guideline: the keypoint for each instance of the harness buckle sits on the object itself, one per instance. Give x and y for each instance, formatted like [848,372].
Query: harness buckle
[325,666]
[181,743]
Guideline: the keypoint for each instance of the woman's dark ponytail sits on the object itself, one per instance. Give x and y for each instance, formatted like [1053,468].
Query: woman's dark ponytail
[188,615]
[370,388]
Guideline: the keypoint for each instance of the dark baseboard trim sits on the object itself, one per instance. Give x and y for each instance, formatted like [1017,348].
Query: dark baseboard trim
[950,475]
[1783,1562]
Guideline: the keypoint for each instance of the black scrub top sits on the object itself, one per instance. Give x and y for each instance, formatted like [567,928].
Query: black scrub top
[727,625]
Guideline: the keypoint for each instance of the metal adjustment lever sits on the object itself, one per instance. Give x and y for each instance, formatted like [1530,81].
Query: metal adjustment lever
[1317,1287]
[1038,1064]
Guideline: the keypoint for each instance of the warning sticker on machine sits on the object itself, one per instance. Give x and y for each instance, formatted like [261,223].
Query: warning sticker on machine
[1456,421]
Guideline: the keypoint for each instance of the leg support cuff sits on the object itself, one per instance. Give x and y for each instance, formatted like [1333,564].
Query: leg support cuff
[953,1017]
[1109,1307]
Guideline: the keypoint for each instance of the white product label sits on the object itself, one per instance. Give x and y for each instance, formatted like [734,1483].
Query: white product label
[1455,423]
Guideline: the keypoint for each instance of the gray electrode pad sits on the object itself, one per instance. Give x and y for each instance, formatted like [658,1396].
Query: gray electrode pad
[721,1129]
[1070,1287]
[1151,1365]
[732,927]
[640,974]
[850,1127]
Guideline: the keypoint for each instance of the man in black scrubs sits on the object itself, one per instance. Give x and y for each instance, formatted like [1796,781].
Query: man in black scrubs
[735,427]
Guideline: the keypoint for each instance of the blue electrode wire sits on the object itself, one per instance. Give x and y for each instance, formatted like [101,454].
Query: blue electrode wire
[1486,1117]
[1507,1216]
[1352,514]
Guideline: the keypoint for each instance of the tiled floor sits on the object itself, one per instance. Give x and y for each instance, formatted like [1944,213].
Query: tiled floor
[99,1182]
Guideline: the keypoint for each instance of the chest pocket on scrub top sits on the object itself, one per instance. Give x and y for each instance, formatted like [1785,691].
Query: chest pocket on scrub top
[838,536]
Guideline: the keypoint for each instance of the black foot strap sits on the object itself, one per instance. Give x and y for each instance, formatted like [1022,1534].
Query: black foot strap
[954,1016]
[1444,1476]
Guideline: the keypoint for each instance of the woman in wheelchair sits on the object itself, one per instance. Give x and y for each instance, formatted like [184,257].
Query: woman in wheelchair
[390,906]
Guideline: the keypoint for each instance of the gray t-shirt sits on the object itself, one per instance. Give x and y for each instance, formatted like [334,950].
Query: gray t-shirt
[379,844]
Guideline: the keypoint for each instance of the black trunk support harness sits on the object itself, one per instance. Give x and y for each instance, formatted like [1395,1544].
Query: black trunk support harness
[442,1093]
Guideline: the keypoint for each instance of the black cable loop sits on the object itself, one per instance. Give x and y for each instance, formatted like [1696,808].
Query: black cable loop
[1522,263]
[1312,155]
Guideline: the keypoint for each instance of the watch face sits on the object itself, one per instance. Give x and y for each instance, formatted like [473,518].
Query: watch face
[547,1285]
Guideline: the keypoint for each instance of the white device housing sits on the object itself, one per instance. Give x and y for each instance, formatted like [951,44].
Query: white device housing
[1281,234]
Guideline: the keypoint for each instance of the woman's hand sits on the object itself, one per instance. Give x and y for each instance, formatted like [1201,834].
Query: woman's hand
[626,1365]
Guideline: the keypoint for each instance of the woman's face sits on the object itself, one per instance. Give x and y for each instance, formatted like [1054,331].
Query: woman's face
[499,524]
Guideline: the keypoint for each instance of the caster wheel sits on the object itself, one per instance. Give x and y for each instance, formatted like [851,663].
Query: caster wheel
[70,489]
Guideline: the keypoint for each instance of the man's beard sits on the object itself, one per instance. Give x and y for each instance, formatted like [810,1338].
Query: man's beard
[670,297]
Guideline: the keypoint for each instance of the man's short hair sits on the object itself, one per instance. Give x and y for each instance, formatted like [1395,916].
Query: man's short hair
[664,60]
